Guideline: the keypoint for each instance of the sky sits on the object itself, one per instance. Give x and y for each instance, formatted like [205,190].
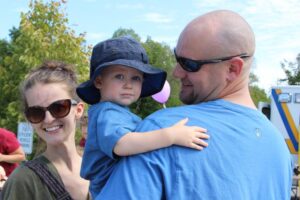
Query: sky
[275,23]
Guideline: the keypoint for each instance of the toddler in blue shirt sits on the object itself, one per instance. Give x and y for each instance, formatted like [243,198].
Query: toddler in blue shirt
[120,74]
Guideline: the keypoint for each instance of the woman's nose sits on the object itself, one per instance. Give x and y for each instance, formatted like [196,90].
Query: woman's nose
[48,117]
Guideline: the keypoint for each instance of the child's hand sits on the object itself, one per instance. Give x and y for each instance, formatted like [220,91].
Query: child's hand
[188,136]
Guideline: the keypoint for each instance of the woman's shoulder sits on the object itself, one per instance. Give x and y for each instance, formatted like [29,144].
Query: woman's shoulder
[21,174]
[22,180]
[25,184]
[24,174]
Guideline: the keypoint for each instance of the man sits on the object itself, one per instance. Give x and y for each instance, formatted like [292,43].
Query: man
[247,157]
[11,153]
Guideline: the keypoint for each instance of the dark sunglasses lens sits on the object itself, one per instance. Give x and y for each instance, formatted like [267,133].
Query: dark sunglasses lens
[189,65]
[35,114]
[60,109]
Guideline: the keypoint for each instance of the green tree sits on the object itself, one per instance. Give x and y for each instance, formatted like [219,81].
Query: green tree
[42,35]
[124,31]
[4,51]
[292,71]
[258,94]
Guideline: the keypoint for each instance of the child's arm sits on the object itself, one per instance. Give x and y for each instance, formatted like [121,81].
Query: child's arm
[179,134]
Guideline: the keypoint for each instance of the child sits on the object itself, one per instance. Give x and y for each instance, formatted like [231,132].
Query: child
[120,73]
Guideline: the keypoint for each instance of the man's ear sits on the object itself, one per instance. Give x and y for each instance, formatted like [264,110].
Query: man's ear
[235,68]
[98,82]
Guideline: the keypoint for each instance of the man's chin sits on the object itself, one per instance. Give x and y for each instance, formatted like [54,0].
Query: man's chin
[184,98]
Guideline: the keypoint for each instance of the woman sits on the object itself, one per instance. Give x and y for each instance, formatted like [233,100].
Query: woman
[52,108]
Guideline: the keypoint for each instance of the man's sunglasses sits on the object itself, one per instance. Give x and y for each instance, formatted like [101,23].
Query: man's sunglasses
[58,109]
[195,65]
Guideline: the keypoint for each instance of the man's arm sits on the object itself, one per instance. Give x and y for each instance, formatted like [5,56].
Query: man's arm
[14,157]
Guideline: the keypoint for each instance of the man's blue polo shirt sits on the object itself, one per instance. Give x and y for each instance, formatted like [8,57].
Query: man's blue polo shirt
[247,159]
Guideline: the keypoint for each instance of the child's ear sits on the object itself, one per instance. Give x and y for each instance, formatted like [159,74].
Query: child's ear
[79,110]
[98,82]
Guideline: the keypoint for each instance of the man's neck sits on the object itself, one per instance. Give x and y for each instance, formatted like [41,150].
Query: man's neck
[241,97]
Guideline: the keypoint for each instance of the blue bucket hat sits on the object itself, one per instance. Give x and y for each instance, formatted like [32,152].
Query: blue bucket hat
[123,51]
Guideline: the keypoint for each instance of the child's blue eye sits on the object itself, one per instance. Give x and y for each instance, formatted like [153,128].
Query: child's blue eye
[137,78]
[120,76]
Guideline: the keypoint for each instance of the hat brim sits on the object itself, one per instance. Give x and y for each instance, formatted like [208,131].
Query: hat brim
[154,80]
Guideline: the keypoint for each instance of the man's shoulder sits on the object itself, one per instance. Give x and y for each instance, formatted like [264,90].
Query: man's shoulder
[186,108]
[9,141]
[7,133]
[195,113]
[173,111]
[166,117]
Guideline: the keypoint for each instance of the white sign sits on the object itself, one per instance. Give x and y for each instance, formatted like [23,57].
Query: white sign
[25,136]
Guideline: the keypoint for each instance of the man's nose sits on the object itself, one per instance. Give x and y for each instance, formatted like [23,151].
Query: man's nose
[178,71]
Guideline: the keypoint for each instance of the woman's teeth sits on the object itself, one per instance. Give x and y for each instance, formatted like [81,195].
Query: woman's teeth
[54,128]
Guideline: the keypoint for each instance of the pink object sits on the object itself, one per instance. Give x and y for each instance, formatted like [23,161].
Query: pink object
[164,94]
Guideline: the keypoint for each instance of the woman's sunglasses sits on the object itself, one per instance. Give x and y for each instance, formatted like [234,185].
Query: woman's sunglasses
[58,109]
[195,65]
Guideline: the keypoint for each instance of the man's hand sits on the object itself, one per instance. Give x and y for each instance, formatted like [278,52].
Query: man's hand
[2,174]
